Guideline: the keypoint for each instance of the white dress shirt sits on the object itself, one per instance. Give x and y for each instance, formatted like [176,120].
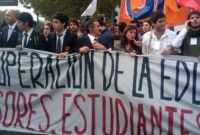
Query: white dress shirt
[28,38]
[10,30]
[157,45]
[61,37]
[177,41]
[92,38]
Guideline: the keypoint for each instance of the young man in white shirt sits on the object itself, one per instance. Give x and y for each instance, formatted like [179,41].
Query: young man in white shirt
[158,40]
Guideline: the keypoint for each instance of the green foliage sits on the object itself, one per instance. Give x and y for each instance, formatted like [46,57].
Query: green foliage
[2,14]
[72,8]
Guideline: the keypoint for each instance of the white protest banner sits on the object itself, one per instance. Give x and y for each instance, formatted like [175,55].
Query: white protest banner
[91,9]
[98,93]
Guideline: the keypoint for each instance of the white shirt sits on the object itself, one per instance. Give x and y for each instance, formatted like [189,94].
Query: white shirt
[92,38]
[157,45]
[61,37]
[177,41]
[28,37]
[10,30]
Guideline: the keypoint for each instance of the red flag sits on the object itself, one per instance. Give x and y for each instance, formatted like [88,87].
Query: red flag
[194,4]
[175,15]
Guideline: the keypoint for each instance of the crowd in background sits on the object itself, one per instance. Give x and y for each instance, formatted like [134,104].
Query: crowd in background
[64,36]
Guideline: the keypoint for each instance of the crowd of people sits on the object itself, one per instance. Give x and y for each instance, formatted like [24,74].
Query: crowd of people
[64,36]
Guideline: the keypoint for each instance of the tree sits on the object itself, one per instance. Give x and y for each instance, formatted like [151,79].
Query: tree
[72,8]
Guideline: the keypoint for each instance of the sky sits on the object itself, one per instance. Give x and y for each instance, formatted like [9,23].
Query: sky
[22,9]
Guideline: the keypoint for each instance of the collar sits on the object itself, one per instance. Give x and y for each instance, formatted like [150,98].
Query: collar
[29,32]
[91,38]
[63,33]
[12,26]
[164,34]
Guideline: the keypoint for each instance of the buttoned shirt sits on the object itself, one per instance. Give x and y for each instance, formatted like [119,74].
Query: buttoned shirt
[93,39]
[177,41]
[154,45]
[28,37]
[61,37]
[10,30]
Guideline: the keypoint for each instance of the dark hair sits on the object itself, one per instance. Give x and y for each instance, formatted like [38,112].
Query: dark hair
[147,21]
[122,26]
[135,23]
[48,24]
[74,21]
[90,24]
[62,18]
[194,12]
[27,17]
[124,39]
[101,21]
[128,28]
[155,15]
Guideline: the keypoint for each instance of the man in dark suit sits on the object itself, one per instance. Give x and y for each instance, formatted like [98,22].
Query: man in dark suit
[29,37]
[91,40]
[61,41]
[9,36]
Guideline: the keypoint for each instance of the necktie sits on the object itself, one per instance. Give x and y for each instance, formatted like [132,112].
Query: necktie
[58,47]
[9,33]
[96,40]
[25,39]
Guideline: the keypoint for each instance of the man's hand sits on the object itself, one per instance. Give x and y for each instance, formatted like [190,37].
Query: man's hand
[19,47]
[138,43]
[62,55]
[167,51]
[98,46]
[188,24]
[132,54]
[84,49]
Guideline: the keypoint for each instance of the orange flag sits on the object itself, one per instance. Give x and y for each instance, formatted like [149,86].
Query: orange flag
[139,9]
[175,15]
[135,4]
[122,15]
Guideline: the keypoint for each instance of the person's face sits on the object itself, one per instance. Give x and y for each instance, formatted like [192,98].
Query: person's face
[58,26]
[130,35]
[46,30]
[116,29]
[146,27]
[73,27]
[10,18]
[96,28]
[160,24]
[21,25]
[195,20]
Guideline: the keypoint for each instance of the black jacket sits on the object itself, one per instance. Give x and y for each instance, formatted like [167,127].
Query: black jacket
[13,40]
[85,41]
[68,43]
[36,41]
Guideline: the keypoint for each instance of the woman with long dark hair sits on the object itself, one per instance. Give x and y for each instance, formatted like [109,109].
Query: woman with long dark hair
[129,42]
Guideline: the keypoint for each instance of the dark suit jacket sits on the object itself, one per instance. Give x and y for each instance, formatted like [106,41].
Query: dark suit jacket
[85,41]
[35,41]
[13,40]
[68,43]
